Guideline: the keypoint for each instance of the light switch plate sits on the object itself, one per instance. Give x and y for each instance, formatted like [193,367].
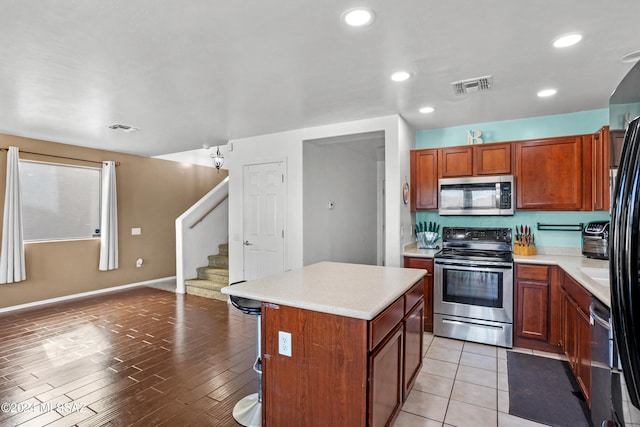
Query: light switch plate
[136,231]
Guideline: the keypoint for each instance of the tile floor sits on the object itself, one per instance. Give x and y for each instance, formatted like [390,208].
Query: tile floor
[462,384]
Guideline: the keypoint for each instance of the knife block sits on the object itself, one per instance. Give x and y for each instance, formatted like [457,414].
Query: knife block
[524,250]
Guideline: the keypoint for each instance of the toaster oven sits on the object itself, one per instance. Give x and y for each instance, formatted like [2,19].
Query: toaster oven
[595,240]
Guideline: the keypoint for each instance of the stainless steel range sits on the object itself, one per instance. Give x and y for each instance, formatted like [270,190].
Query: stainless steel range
[473,286]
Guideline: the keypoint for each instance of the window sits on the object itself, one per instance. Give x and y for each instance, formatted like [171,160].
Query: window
[59,202]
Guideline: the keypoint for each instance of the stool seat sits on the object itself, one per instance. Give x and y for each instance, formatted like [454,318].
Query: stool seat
[246,305]
[248,411]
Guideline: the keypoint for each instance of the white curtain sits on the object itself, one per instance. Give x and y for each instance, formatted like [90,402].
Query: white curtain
[108,219]
[12,266]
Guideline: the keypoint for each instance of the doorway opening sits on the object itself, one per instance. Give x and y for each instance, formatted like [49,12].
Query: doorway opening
[343,199]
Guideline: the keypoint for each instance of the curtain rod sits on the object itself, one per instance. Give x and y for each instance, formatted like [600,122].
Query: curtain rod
[58,157]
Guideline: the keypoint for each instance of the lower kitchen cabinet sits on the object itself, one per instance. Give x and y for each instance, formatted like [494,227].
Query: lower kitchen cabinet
[576,332]
[537,323]
[342,371]
[413,340]
[426,264]
[385,367]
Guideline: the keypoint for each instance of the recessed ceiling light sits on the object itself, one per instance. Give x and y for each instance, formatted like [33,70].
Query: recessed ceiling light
[631,56]
[426,110]
[358,17]
[568,40]
[547,92]
[400,76]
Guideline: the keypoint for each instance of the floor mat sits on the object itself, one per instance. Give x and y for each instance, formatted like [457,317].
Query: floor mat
[544,390]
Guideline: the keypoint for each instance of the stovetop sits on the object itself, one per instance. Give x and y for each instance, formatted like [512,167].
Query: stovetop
[486,244]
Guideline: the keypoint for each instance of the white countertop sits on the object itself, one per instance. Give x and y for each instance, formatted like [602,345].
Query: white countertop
[569,259]
[412,250]
[572,265]
[352,290]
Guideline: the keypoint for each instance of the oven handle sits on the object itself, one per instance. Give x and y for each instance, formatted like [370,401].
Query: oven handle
[478,325]
[472,265]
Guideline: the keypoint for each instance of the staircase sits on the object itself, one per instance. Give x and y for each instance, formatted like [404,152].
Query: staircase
[213,277]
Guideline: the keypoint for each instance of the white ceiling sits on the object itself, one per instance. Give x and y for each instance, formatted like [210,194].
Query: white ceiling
[199,72]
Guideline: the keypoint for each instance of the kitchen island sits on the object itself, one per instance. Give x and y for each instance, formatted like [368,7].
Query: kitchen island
[356,342]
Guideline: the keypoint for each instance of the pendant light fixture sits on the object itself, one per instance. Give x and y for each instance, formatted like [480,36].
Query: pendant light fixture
[218,159]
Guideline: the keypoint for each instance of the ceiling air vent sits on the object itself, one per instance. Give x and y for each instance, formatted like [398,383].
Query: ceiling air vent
[123,128]
[478,84]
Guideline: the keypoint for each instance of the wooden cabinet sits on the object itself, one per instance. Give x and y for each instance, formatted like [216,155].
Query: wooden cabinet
[413,341]
[424,179]
[396,359]
[616,138]
[385,367]
[492,159]
[425,264]
[457,161]
[576,332]
[551,173]
[342,370]
[476,160]
[537,298]
[600,169]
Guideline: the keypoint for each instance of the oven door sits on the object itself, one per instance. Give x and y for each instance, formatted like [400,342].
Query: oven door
[476,290]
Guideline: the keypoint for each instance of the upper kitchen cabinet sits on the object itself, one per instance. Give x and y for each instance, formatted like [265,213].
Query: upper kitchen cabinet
[600,169]
[492,159]
[554,173]
[476,160]
[615,143]
[457,161]
[424,179]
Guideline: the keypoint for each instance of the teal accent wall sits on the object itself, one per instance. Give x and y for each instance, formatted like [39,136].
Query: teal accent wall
[514,130]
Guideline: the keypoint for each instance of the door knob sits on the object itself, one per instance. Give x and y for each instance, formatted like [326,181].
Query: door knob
[247,243]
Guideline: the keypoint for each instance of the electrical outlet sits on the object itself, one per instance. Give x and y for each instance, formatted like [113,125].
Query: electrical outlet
[284,343]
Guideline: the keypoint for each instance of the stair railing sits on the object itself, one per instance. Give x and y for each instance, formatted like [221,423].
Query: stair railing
[199,231]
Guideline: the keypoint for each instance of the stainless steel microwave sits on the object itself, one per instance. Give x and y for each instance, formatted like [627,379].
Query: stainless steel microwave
[482,195]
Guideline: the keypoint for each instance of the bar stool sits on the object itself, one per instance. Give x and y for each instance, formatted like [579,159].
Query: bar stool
[248,410]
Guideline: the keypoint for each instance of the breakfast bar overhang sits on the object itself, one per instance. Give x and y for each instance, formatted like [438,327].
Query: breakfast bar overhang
[356,342]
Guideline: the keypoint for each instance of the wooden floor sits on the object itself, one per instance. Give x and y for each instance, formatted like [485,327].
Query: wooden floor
[141,357]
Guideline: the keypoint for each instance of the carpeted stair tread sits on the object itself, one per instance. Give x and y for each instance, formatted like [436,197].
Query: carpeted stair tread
[213,274]
[223,249]
[205,288]
[218,261]
[213,277]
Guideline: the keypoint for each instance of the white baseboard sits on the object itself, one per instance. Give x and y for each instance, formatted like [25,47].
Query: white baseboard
[86,294]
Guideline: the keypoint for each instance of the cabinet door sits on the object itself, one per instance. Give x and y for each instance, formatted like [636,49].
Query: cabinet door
[424,179]
[457,161]
[413,340]
[569,330]
[600,172]
[583,361]
[550,174]
[532,309]
[426,264]
[492,159]
[616,140]
[386,382]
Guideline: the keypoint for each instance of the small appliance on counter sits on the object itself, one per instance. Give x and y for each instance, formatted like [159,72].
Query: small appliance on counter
[595,240]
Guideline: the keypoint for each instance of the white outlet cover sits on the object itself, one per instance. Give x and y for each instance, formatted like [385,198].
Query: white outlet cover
[136,231]
[284,343]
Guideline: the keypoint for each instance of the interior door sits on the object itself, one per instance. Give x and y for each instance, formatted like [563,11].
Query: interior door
[263,219]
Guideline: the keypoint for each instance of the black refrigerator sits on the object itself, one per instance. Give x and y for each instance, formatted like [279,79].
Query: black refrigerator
[624,252]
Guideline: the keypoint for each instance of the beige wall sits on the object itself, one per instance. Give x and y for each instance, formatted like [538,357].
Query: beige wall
[152,193]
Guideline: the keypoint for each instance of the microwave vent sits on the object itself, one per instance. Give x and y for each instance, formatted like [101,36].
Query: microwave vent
[478,84]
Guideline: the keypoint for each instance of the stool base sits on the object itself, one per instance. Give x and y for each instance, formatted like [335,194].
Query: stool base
[248,411]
